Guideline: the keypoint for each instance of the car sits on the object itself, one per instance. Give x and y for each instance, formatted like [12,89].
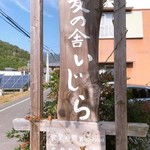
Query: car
[139,92]
[136,92]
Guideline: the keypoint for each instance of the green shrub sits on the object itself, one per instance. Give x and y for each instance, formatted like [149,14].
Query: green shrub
[22,137]
[138,112]
[53,84]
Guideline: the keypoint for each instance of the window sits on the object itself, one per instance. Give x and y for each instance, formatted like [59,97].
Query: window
[107,68]
[106,26]
[132,19]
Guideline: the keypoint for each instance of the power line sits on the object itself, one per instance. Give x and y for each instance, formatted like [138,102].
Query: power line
[52,54]
[10,24]
[16,26]
[116,46]
[14,23]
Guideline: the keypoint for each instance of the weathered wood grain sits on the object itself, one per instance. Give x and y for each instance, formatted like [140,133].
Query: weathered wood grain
[133,129]
[120,74]
[88,85]
[36,70]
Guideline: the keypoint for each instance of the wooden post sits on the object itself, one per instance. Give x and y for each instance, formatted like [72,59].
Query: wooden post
[36,70]
[79,70]
[120,74]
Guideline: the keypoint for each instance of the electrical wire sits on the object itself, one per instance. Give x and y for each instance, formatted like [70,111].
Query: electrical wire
[16,26]
[22,30]
[10,24]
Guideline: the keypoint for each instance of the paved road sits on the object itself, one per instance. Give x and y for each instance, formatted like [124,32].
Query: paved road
[8,112]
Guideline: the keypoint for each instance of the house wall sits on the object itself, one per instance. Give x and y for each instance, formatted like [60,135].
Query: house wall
[138,53]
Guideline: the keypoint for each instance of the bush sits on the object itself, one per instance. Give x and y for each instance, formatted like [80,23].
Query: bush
[22,136]
[53,84]
[138,112]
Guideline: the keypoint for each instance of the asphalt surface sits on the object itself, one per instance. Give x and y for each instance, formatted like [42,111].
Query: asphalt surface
[16,109]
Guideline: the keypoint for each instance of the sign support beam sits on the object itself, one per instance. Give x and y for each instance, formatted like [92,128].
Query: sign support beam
[120,74]
[36,70]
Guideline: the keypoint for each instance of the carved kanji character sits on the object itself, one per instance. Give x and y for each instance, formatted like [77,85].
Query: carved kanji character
[77,4]
[78,38]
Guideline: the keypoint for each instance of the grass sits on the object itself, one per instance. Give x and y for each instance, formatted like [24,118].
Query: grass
[12,96]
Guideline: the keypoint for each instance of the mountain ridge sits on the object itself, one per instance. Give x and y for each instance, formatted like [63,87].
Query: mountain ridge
[11,56]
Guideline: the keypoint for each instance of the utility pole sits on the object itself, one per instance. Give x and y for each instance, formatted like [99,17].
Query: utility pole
[120,74]
[47,68]
[28,66]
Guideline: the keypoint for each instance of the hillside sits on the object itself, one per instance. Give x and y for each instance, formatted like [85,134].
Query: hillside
[12,56]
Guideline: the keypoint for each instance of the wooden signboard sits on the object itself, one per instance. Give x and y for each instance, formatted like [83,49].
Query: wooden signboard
[79,84]
[73,135]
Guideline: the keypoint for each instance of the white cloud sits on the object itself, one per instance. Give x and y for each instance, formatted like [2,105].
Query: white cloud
[3,5]
[52,3]
[47,15]
[23,4]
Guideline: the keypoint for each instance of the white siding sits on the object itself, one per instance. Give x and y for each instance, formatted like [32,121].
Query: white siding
[11,73]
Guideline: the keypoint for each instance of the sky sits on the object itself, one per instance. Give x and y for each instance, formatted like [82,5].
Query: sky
[19,10]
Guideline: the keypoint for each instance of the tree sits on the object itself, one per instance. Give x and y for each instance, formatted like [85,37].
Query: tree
[12,56]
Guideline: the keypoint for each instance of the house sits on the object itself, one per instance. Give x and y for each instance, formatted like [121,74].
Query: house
[54,65]
[137,42]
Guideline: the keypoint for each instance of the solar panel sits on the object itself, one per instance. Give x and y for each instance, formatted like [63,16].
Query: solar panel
[14,82]
[7,82]
[21,82]
[1,76]
[4,79]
